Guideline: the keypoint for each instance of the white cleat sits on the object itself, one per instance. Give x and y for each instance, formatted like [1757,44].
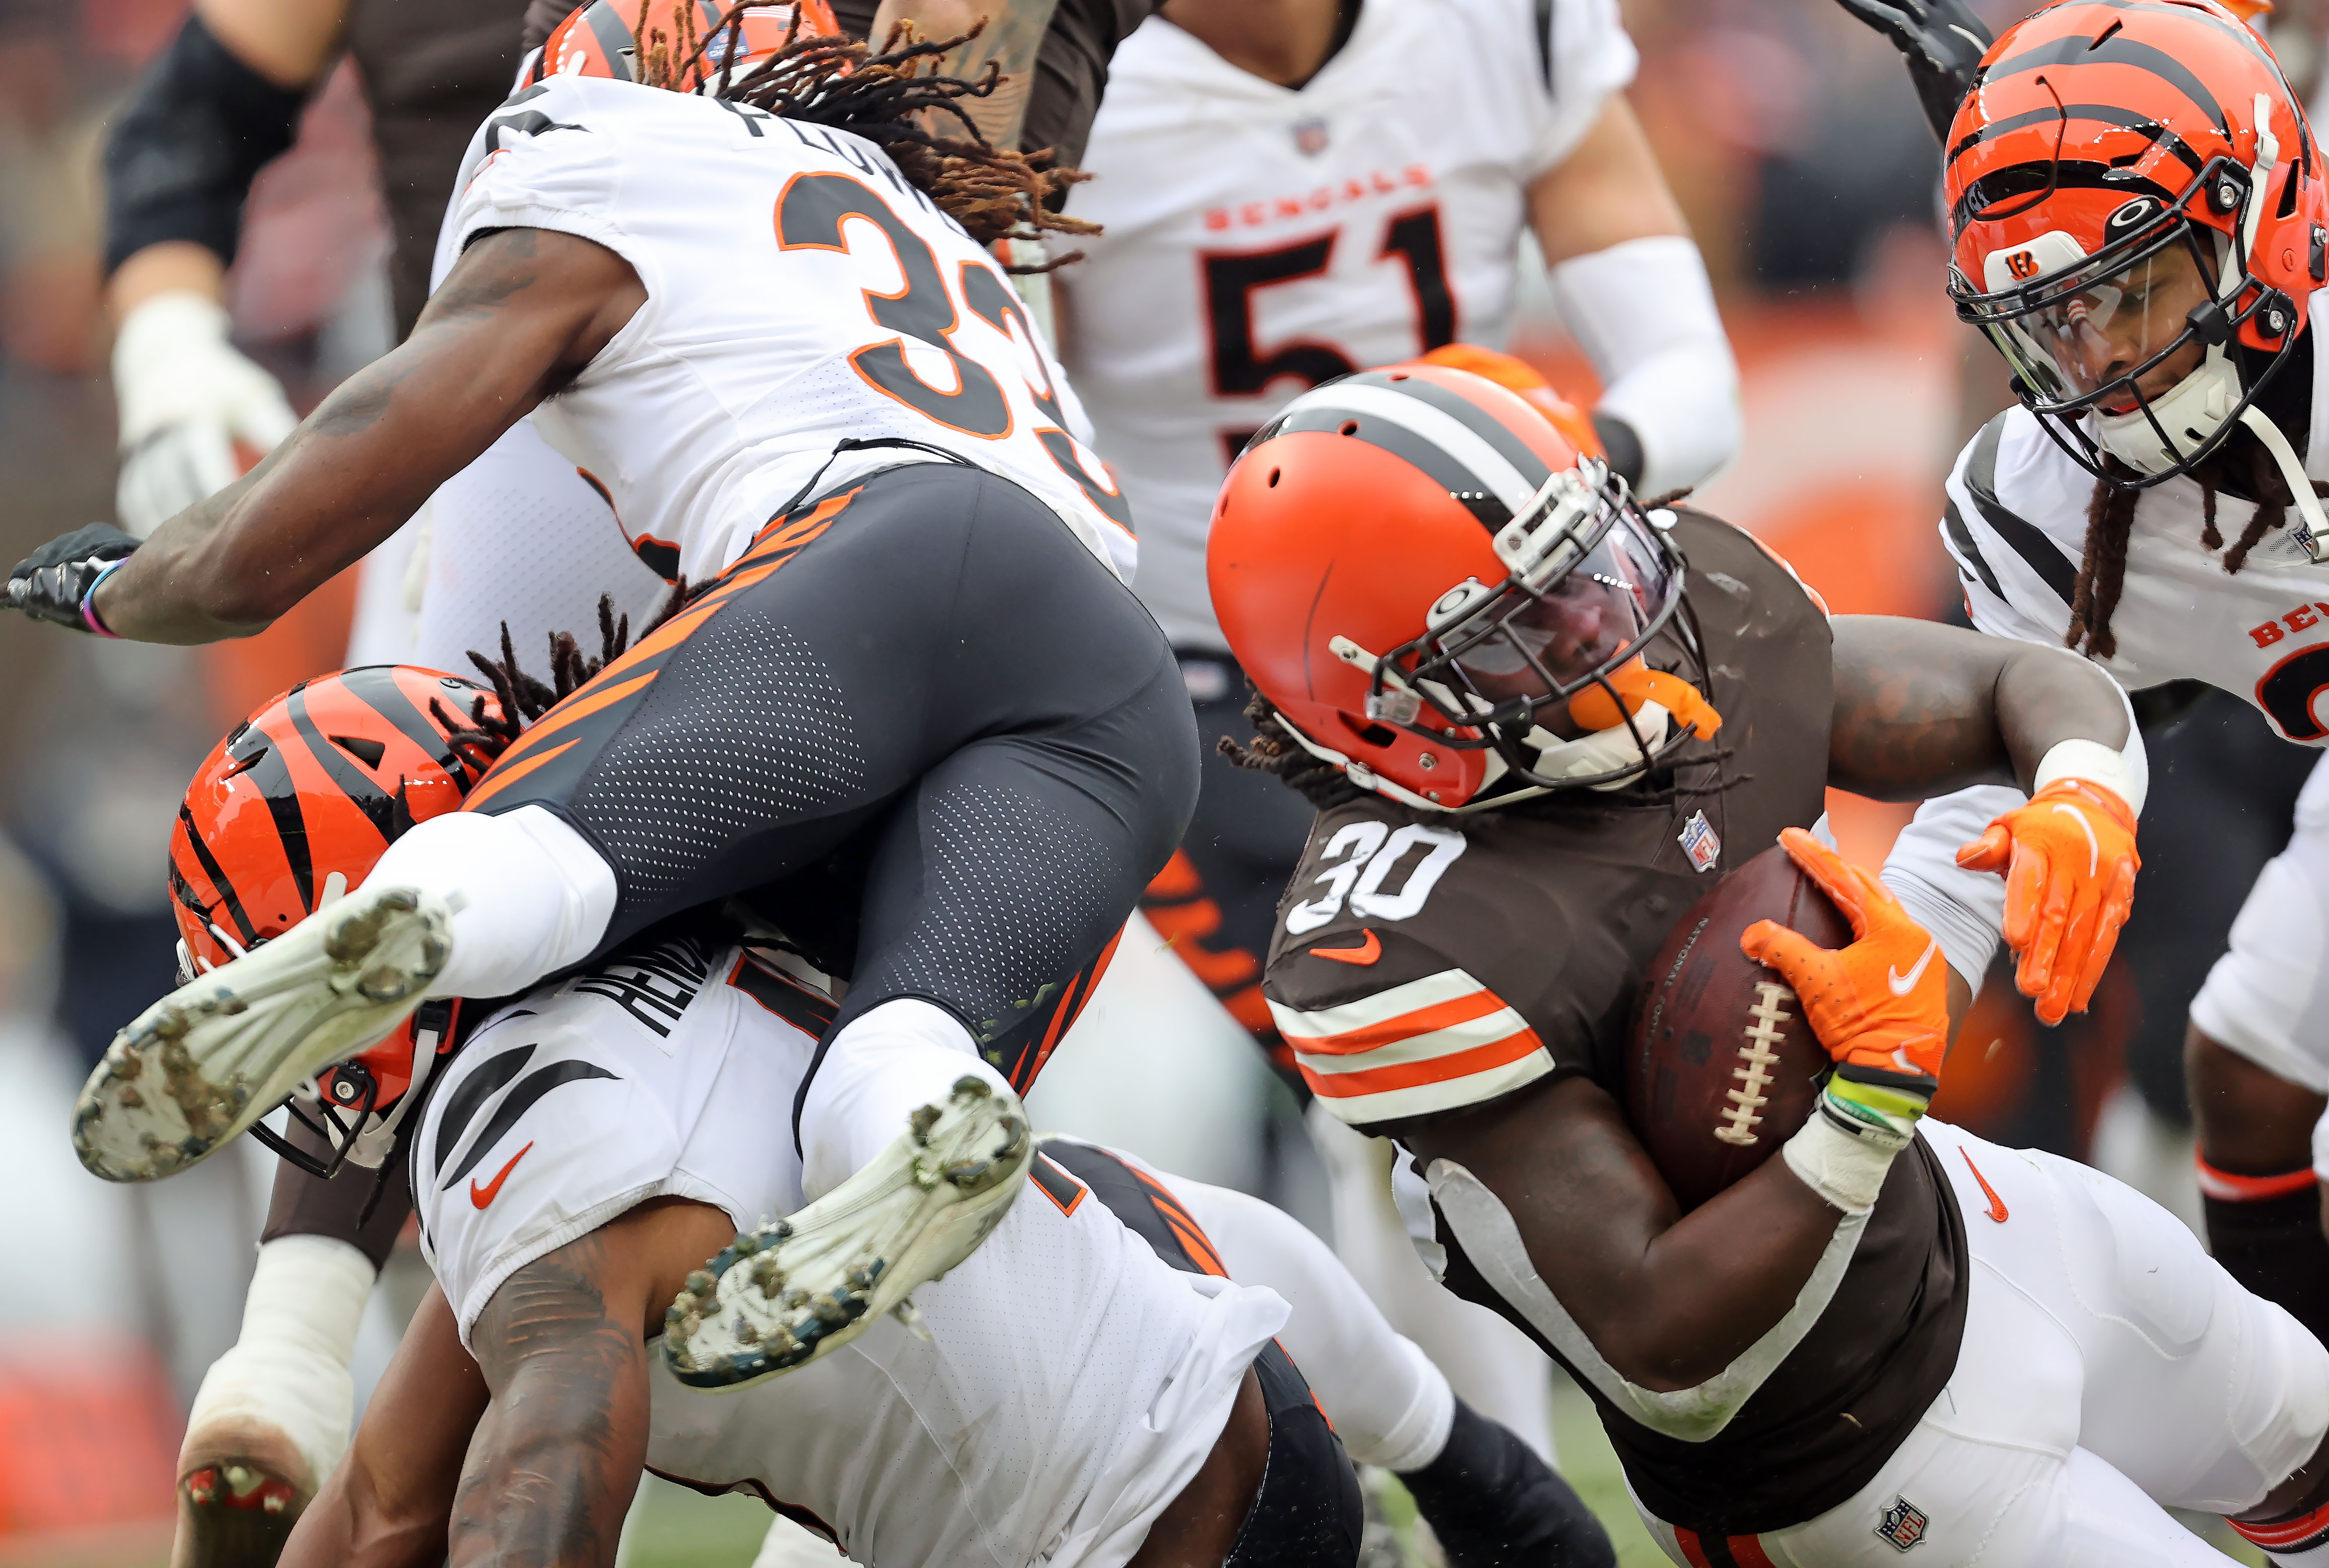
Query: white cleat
[210,1059]
[787,1293]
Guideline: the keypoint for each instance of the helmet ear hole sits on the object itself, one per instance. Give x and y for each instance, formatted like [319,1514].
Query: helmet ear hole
[1273,477]
[1367,729]
[1348,427]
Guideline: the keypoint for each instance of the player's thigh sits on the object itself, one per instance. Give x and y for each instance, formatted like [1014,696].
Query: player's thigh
[2264,997]
[2201,1394]
[1007,873]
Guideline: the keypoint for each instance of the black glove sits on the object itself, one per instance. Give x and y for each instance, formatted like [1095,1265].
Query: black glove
[1944,41]
[50,584]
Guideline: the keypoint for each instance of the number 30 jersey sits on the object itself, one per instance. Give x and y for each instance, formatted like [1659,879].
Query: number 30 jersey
[1260,240]
[799,292]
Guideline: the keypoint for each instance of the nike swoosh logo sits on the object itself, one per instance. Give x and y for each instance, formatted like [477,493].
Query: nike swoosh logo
[1366,951]
[1996,1204]
[2094,848]
[1903,984]
[492,1189]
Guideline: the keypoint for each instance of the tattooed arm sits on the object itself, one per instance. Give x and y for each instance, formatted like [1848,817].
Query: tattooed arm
[520,315]
[552,1463]
[1922,709]
[563,1345]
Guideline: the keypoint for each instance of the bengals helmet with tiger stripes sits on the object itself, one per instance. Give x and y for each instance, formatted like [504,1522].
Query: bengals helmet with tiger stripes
[600,38]
[2137,214]
[1443,598]
[292,809]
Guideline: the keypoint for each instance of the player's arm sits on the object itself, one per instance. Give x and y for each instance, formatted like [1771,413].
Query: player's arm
[1677,1317]
[1924,709]
[521,313]
[221,102]
[1632,288]
[386,1503]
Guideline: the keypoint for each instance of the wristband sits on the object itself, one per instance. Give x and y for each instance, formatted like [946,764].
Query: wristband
[2094,763]
[88,601]
[1842,1156]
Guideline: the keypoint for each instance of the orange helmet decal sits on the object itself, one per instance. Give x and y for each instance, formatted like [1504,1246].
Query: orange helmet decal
[297,804]
[1375,555]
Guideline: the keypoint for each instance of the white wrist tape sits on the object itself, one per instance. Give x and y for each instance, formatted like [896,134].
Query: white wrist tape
[2097,765]
[1845,1168]
[287,1376]
[1643,311]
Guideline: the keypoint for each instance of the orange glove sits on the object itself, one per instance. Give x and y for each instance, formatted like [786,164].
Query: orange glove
[1879,1006]
[2069,862]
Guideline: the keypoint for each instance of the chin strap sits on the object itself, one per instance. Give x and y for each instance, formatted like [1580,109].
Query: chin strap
[2312,530]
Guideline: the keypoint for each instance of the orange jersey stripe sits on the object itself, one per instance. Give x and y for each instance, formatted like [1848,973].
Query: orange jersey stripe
[502,779]
[1408,1074]
[1423,1021]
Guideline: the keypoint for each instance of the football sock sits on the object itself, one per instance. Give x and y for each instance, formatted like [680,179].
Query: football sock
[287,1374]
[529,893]
[884,1065]
[1494,1504]
[2274,1247]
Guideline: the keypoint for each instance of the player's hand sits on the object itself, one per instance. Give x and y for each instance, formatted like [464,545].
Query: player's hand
[1879,1006]
[1944,41]
[196,414]
[54,582]
[2069,862]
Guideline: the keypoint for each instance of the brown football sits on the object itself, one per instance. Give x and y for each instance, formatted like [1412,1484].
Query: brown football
[1720,1068]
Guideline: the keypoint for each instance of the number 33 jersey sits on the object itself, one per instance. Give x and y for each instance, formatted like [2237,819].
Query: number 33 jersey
[800,292]
[1260,240]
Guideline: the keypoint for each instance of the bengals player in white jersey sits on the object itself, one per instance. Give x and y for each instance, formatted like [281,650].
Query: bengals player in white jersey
[2150,260]
[776,342]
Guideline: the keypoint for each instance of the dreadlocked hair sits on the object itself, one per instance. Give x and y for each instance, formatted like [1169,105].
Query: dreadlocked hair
[2243,465]
[1276,751]
[891,98]
[486,735]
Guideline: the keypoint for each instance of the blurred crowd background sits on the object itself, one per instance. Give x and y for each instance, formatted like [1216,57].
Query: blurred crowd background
[1794,143]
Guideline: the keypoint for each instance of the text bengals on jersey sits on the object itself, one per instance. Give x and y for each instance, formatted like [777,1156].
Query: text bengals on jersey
[1377,182]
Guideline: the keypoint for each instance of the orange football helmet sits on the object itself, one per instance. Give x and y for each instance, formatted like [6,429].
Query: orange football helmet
[1421,574]
[600,38]
[2138,216]
[294,807]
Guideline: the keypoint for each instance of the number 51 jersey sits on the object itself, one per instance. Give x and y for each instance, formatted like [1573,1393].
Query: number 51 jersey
[1260,240]
[800,292]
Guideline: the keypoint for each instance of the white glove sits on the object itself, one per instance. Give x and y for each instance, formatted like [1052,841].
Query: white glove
[186,398]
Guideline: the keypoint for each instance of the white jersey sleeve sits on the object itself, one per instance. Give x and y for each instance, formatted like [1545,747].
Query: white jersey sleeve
[1587,59]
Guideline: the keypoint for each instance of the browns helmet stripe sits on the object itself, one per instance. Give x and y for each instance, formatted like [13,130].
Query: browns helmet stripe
[1451,449]
[1473,418]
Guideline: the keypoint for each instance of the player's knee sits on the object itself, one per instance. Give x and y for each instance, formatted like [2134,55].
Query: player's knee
[2251,1119]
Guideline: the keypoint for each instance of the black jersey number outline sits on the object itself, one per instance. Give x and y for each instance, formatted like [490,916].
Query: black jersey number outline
[1240,369]
[2287,691]
[809,216]
[991,300]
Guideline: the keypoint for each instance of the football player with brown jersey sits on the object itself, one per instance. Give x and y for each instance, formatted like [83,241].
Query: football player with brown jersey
[1538,721]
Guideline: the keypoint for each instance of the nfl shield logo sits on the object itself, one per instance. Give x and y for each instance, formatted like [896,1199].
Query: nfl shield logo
[1904,1524]
[1698,841]
[1310,137]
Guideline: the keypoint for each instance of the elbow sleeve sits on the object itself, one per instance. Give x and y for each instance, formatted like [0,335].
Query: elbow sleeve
[194,134]
[1643,311]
